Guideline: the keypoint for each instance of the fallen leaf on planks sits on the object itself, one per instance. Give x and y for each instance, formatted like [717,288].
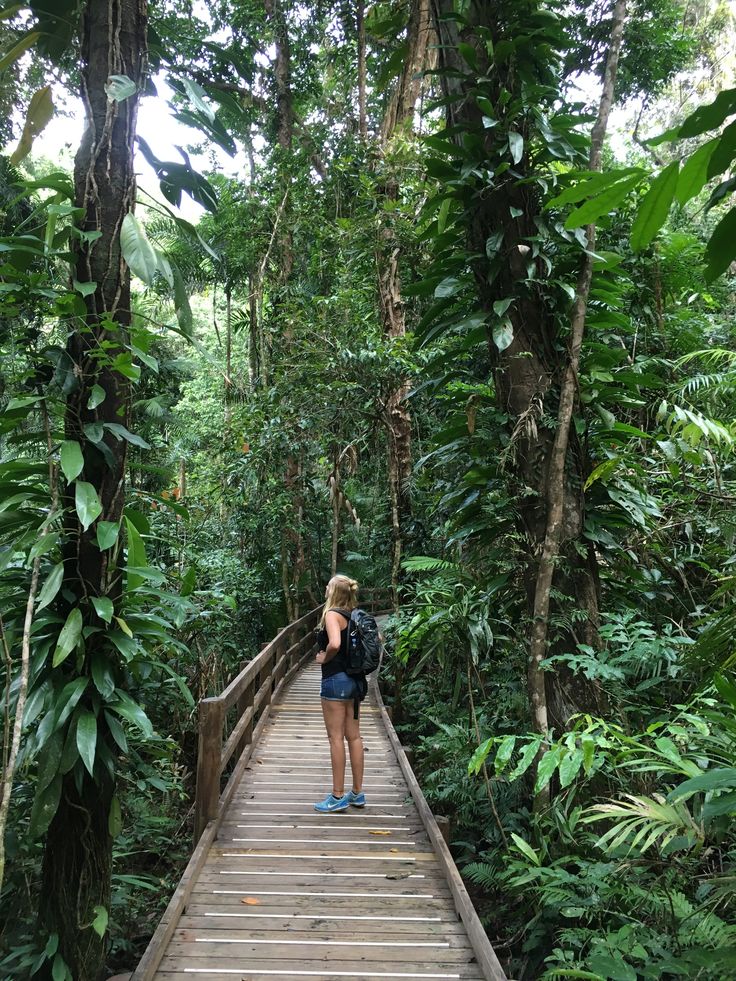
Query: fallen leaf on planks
[393,849]
[251,901]
[379,832]
[398,875]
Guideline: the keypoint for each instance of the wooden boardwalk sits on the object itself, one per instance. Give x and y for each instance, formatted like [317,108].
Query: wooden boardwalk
[284,892]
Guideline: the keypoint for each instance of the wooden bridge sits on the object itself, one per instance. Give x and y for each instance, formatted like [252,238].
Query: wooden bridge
[276,890]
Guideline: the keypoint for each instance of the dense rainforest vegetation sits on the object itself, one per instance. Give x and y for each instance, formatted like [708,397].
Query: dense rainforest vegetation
[440,295]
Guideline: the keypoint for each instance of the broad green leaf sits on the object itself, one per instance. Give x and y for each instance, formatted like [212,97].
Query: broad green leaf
[103,607]
[503,334]
[469,54]
[136,555]
[97,397]
[182,308]
[501,306]
[51,587]
[44,807]
[547,766]
[87,739]
[69,697]
[124,627]
[188,582]
[606,200]
[120,432]
[709,116]
[448,287]
[592,182]
[479,756]
[654,208]
[526,849]
[197,95]
[603,470]
[115,819]
[724,151]
[118,88]
[504,752]
[87,503]
[442,215]
[516,146]
[570,767]
[59,969]
[85,289]
[137,250]
[719,778]
[49,760]
[102,674]
[69,637]
[99,924]
[40,112]
[694,173]
[527,758]
[26,42]
[71,459]
[116,731]
[721,248]
[132,712]
[94,431]
[107,534]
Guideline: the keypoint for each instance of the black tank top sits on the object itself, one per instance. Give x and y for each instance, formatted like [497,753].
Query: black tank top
[340,661]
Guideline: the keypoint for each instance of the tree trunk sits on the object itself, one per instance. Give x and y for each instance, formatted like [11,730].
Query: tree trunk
[360,25]
[419,57]
[253,344]
[228,356]
[400,113]
[556,481]
[530,371]
[78,850]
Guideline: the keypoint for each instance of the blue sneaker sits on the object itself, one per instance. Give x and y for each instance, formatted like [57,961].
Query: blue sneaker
[357,800]
[331,804]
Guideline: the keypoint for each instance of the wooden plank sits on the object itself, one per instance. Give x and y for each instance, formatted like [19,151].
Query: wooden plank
[228,929]
[275,922]
[326,974]
[248,966]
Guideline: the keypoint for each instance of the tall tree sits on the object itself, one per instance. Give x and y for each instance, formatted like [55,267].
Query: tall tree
[78,851]
[398,117]
[503,122]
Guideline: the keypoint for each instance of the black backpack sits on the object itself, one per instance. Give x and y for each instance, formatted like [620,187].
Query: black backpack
[364,643]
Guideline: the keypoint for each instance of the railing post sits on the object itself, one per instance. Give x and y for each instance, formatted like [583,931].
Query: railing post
[244,703]
[209,753]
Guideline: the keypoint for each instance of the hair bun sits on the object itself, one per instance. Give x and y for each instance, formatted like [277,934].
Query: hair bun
[353,585]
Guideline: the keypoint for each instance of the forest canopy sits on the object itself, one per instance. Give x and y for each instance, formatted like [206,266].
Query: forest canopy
[439,296]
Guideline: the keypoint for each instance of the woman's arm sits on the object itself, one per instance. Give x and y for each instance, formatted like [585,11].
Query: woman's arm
[333,628]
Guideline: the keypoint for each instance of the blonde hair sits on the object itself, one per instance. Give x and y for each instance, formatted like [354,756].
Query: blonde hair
[342,593]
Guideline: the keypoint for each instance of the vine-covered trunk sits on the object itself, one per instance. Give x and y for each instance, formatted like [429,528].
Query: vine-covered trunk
[400,113]
[555,498]
[529,372]
[78,850]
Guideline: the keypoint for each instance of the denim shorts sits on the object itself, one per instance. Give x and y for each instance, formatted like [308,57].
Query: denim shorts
[339,687]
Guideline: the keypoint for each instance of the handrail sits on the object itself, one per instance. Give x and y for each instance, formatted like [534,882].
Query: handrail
[251,692]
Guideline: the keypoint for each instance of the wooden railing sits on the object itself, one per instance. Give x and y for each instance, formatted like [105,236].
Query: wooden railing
[248,696]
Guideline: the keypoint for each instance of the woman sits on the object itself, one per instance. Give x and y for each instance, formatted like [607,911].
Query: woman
[338,693]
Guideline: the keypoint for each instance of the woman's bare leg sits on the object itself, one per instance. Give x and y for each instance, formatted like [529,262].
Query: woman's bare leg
[355,746]
[334,716]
